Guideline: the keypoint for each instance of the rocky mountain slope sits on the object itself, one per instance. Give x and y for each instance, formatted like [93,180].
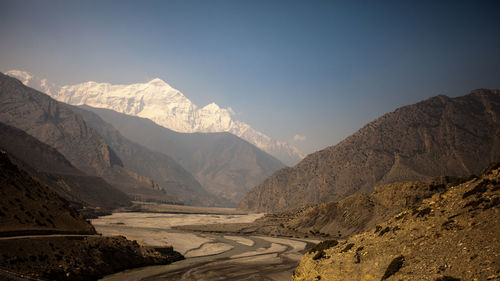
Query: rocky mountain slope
[166,106]
[452,235]
[29,207]
[436,137]
[55,124]
[360,212]
[51,168]
[224,164]
[168,175]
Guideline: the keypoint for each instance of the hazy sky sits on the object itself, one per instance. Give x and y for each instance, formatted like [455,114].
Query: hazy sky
[318,69]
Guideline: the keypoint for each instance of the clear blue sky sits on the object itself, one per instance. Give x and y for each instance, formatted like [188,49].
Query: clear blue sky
[321,69]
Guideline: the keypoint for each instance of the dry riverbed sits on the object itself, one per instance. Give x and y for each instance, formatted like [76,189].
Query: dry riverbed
[209,256]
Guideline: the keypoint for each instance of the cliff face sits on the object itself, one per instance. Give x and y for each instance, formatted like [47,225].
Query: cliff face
[167,176]
[53,123]
[452,235]
[50,167]
[436,137]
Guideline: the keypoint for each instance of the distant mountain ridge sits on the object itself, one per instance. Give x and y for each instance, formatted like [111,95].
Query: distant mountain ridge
[224,164]
[167,174]
[166,106]
[436,137]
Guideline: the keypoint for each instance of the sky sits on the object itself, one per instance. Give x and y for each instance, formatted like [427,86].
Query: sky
[307,72]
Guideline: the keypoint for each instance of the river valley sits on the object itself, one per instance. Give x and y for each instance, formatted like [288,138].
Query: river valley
[209,256]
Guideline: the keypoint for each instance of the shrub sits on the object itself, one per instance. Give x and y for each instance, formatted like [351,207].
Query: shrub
[383,231]
[448,278]
[479,188]
[423,212]
[393,267]
[327,244]
[347,247]
[319,255]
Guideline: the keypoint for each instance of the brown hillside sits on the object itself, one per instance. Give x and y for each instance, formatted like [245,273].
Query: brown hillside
[452,235]
[360,212]
[436,137]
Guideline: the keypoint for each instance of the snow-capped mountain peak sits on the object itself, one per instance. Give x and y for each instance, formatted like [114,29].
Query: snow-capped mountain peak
[157,82]
[212,107]
[164,105]
[24,76]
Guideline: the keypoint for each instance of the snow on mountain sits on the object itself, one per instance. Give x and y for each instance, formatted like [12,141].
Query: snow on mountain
[166,106]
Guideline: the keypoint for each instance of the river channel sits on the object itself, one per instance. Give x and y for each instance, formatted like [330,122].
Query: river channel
[208,256]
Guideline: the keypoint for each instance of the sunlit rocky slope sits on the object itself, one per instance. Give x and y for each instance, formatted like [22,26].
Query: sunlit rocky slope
[452,235]
[436,137]
[360,212]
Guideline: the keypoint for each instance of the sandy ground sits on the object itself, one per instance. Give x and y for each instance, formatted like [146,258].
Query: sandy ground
[155,229]
[212,248]
[167,208]
[208,256]
[166,221]
[241,240]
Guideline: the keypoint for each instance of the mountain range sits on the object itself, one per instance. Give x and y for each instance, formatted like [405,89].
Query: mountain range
[146,161]
[55,124]
[223,164]
[436,137]
[166,174]
[164,105]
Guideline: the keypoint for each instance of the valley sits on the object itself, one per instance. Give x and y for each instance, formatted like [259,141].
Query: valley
[209,256]
[161,203]
[249,140]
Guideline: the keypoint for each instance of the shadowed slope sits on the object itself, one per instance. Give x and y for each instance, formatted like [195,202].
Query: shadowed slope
[46,164]
[55,124]
[171,176]
[29,207]
[224,164]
